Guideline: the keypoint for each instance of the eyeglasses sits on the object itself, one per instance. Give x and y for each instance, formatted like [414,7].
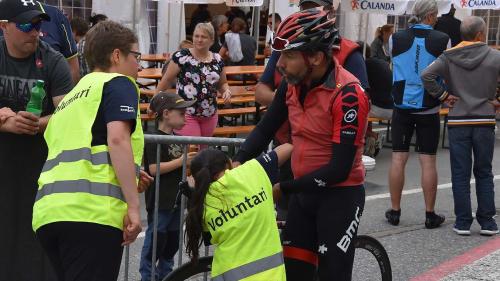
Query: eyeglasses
[28,27]
[137,55]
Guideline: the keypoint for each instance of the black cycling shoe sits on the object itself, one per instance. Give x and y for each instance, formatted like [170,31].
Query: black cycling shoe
[392,216]
[433,220]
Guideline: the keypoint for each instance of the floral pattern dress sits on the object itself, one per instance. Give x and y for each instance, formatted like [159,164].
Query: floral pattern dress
[198,81]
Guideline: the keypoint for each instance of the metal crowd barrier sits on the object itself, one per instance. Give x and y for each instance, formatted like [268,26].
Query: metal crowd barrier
[185,141]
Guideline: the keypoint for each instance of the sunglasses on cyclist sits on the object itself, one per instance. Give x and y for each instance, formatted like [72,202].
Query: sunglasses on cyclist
[28,27]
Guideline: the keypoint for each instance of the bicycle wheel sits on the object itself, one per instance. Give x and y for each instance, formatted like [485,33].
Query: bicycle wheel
[192,272]
[364,264]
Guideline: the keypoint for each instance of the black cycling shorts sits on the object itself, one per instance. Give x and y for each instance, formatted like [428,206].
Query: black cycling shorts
[426,125]
[319,233]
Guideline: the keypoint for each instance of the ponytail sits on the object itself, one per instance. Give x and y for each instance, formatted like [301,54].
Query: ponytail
[205,167]
[194,218]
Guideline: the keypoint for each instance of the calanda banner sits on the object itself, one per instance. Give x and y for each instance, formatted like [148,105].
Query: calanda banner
[477,4]
[390,7]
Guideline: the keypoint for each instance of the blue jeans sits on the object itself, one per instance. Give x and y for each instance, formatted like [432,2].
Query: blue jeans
[167,244]
[465,142]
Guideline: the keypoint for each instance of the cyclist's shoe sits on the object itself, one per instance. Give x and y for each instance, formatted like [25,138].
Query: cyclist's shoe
[392,216]
[433,220]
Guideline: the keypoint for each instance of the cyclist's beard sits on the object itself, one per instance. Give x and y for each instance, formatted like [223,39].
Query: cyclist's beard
[294,79]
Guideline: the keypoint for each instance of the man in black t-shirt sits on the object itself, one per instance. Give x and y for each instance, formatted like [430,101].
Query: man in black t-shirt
[24,59]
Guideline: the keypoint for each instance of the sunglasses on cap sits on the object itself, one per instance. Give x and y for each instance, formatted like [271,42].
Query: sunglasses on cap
[28,27]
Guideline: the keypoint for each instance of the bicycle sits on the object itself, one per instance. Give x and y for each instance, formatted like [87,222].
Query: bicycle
[201,271]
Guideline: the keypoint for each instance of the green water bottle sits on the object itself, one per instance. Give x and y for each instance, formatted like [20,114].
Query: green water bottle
[36,101]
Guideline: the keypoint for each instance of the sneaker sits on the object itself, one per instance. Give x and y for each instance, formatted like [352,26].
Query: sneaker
[433,220]
[463,232]
[488,232]
[392,216]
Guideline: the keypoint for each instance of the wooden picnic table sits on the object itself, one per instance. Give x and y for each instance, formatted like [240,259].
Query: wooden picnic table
[236,91]
[155,57]
[155,73]
[220,101]
[245,69]
[150,73]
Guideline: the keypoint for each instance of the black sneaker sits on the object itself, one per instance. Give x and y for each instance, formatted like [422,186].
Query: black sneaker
[392,216]
[433,220]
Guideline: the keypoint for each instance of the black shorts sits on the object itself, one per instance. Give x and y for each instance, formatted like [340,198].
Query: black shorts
[319,231]
[427,126]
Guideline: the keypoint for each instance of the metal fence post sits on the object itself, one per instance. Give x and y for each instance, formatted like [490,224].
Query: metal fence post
[155,215]
[183,204]
[127,257]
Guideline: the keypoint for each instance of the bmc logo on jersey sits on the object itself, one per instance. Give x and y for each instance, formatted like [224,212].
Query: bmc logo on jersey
[26,2]
[350,115]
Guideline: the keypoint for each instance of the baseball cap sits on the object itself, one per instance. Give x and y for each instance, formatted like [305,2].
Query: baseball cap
[21,11]
[318,2]
[164,100]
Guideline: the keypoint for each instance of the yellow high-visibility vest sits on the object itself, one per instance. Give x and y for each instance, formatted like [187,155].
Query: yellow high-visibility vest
[78,182]
[239,214]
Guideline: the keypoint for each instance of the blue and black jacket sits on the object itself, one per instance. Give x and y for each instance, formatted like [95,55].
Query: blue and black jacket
[413,50]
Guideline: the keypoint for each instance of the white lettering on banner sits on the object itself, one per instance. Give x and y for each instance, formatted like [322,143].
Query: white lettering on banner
[244,2]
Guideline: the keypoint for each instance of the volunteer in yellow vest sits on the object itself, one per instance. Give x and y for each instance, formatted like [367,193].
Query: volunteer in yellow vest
[87,205]
[236,208]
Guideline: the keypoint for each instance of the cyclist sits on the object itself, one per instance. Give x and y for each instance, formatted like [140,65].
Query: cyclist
[236,208]
[327,109]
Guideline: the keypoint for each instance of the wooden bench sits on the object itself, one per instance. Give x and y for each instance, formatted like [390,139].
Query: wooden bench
[232,130]
[241,83]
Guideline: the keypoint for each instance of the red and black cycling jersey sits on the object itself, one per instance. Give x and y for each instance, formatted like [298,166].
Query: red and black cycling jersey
[348,114]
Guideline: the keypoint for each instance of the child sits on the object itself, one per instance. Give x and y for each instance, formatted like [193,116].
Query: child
[169,110]
[236,207]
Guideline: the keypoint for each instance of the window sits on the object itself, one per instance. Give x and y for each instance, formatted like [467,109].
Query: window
[494,24]
[152,12]
[73,8]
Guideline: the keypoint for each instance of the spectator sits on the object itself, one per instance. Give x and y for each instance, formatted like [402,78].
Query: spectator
[97,18]
[380,79]
[220,25]
[471,121]
[201,14]
[24,60]
[79,27]
[57,32]
[199,74]
[450,25]
[169,110]
[412,50]
[380,45]
[239,47]
[235,12]
[271,31]
[84,67]
[87,202]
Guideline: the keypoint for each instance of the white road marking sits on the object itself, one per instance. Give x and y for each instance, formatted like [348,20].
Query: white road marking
[417,190]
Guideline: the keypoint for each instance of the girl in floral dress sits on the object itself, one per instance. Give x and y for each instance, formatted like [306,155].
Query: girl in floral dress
[200,76]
